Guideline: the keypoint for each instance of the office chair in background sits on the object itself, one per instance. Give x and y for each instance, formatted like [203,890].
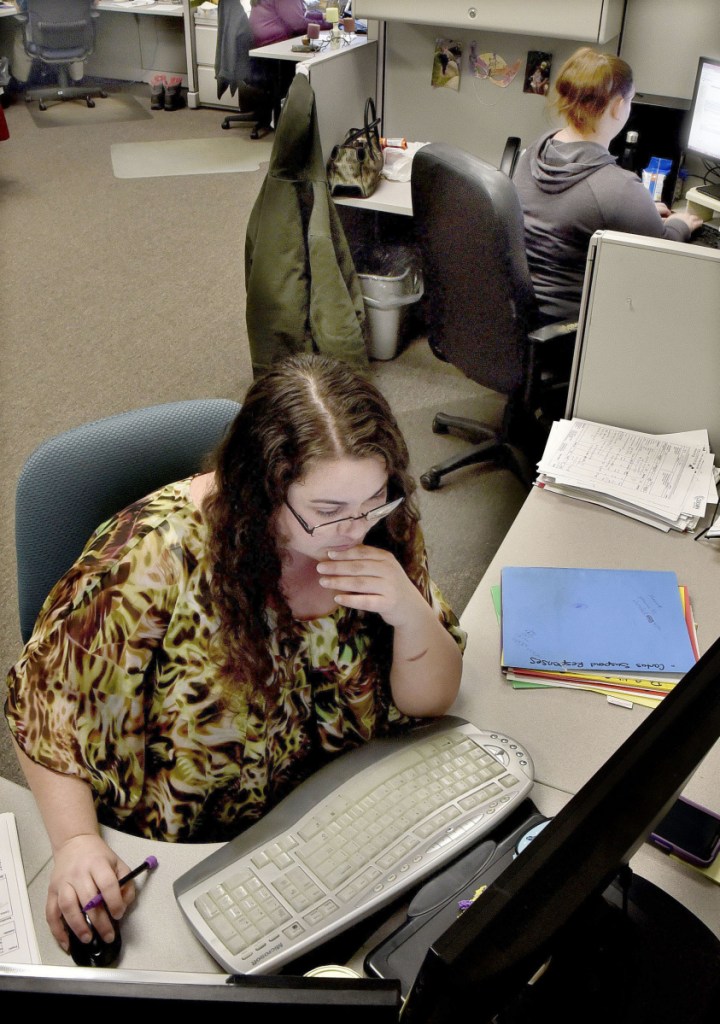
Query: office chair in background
[73,482]
[60,32]
[480,306]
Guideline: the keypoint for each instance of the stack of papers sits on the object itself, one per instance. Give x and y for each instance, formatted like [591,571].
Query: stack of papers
[665,480]
[625,633]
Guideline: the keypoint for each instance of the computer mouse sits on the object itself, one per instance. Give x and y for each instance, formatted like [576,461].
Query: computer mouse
[525,840]
[96,952]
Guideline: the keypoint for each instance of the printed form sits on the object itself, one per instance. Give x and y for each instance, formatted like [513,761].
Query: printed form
[18,943]
[669,477]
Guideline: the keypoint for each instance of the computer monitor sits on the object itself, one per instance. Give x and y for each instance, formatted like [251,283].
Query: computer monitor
[567,932]
[56,991]
[704,119]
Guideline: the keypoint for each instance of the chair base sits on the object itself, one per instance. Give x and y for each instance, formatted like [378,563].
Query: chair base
[488,446]
[258,131]
[65,91]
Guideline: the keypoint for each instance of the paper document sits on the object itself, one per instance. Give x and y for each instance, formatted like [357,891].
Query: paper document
[610,621]
[18,944]
[664,480]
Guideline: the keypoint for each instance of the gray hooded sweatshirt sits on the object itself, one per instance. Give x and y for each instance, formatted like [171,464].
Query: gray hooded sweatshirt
[568,191]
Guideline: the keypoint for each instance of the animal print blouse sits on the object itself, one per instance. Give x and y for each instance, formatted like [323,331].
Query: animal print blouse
[117,685]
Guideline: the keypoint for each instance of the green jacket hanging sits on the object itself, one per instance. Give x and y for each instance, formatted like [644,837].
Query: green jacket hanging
[303,292]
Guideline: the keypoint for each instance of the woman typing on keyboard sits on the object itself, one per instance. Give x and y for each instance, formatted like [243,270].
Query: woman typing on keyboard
[570,184]
[222,637]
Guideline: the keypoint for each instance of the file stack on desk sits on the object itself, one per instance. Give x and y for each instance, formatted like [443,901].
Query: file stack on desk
[665,480]
[625,633]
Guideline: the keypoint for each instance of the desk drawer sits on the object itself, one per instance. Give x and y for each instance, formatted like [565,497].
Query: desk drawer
[207,91]
[205,44]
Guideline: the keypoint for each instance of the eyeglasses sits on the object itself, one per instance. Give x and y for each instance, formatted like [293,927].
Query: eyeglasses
[373,516]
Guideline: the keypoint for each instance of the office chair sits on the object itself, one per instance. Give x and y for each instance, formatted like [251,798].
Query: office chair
[261,97]
[510,155]
[60,32]
[75,481]
[480,307]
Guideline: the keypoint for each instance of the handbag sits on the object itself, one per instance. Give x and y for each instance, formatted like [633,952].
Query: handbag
[355,164]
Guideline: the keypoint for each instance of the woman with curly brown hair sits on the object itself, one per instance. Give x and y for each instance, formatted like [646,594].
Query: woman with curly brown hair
[219,639]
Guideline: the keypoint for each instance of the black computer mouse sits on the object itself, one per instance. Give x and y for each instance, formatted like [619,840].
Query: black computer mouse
[96,952]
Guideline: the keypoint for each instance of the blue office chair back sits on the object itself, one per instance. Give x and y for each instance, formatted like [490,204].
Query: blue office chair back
[75,481]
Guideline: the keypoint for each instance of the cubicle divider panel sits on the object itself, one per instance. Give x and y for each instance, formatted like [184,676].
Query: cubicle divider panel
[341,86]
[647,356]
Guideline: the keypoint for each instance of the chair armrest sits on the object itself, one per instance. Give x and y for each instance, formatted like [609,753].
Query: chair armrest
[551,332]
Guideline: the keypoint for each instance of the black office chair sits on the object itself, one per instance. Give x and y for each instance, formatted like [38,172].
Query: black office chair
[60,32]
[261,84]
[75,481]
[480,307]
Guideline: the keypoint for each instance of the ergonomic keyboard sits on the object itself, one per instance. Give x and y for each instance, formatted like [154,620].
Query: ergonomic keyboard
[353,837]
[706,235]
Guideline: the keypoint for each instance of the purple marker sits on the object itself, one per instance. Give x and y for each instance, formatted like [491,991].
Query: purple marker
[147,865]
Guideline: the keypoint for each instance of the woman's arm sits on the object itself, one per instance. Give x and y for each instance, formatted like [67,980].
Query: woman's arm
[427,662]
[83,863]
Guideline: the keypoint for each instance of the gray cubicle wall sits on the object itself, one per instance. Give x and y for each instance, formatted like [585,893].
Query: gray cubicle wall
[648,351]
[480,115]
[662,41]
[341,86]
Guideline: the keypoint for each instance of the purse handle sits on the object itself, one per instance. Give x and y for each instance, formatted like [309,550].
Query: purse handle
[371,124]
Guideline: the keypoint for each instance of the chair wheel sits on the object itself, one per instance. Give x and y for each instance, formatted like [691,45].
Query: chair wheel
[90,103]
[430,480]
[438,427]
[225,124]
[42,106]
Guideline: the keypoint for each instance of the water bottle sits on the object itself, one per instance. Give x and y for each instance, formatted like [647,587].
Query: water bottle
[628,157]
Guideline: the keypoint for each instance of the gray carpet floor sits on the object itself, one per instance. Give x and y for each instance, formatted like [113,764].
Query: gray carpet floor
[116,294]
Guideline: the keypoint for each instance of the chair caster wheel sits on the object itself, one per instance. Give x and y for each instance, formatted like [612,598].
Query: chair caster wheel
[430,480]
[42,106]
[225,125]
[438,427]
[90,103]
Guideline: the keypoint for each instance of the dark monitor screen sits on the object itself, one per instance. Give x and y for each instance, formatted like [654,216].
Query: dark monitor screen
[154,995]
[566,930]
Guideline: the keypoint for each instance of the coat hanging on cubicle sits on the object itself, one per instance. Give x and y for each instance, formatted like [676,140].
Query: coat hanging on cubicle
[303,292]
[234,41]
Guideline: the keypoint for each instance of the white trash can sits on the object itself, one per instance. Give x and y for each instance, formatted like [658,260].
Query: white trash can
[387,298]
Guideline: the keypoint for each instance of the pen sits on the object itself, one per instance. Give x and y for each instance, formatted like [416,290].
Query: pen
[147,865]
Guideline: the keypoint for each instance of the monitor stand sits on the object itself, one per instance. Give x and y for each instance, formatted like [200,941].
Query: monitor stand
[637,957]
[711,191]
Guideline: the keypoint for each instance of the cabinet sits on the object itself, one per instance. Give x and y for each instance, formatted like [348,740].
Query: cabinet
[594,21]
[205,44]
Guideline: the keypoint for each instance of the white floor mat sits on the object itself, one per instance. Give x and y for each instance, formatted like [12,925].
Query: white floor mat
[189,156]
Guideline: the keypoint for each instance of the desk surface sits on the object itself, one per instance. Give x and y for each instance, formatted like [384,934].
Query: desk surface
[388,197]
[568,734]
[283,50]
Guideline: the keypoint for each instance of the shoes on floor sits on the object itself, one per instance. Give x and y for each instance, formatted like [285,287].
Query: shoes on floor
[157,92]
[173,96]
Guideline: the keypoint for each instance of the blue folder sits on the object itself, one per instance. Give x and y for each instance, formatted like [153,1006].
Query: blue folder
[600,620]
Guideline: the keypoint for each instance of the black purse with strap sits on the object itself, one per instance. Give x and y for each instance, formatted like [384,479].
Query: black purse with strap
[355,164]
